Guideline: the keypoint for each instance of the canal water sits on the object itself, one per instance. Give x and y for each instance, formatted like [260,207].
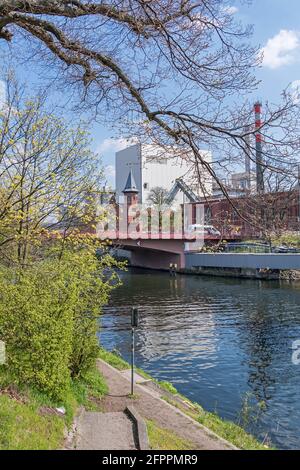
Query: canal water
[224,343]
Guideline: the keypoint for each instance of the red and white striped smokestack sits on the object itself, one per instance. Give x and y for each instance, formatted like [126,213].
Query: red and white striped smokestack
[258,122]
[258,138]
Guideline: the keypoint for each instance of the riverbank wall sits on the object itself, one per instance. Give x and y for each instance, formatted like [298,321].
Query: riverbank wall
[271,275]
[268,266]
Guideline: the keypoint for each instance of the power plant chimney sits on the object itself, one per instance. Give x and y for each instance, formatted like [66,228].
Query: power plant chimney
[259,158]
[247,157]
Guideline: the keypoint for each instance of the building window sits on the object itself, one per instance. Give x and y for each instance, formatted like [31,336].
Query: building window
[208,215]
[146,185]
[162,160]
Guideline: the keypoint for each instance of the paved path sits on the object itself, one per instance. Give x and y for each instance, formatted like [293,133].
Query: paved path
[151,406]
[104,431]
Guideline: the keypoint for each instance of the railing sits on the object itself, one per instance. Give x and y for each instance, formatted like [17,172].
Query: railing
[247,248]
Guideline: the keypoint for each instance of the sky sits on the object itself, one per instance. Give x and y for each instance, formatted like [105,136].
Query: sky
[276,30]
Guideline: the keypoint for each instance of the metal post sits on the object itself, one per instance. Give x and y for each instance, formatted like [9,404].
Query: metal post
[134,324]
[132,359]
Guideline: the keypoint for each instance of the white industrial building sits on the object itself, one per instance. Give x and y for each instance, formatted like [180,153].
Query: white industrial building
[152,166]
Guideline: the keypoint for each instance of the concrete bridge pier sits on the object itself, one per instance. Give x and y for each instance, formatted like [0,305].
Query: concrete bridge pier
[155,254]
[155,260]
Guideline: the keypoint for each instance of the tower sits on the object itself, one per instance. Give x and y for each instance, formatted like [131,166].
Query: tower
[247,130]
[130,191]
[259,159]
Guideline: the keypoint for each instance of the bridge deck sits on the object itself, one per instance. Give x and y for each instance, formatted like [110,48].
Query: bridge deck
[122,236]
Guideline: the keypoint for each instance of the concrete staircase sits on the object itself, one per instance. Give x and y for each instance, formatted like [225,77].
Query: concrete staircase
[104,431]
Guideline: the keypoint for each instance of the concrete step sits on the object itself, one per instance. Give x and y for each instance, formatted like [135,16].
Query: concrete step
[105,431]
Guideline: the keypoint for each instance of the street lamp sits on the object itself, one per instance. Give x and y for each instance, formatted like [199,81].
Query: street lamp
[134,324]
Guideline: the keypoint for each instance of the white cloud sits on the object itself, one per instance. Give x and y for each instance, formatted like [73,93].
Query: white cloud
[231,10]
[110,171]
[113,145]
[110,175]
[282,49]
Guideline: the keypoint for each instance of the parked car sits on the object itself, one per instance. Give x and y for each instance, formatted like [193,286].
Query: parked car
[284,249]
[204,230]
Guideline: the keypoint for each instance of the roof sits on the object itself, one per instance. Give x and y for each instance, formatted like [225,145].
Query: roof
[187,190]
[130,186]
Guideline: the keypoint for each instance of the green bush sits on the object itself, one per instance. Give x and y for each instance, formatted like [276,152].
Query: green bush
[36,310]
[289,239]
[91,289]
[49,316]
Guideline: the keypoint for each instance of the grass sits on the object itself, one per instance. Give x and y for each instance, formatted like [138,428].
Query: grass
[164,439]
[22,428]
[28,417]
[228,430]
[89,389]
[114,359]
[168,387]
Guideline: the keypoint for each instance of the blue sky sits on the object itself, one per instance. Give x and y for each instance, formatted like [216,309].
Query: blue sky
[276,29]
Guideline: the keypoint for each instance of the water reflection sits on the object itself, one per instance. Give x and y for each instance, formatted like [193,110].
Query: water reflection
[216,340]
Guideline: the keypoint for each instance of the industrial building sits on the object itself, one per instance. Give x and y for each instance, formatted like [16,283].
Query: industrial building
[152,166]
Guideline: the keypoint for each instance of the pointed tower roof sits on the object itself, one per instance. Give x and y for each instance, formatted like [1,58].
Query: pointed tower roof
[130,186]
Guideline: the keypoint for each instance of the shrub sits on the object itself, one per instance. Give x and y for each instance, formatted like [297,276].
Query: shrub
[36,323]
[49,316]
[91,287]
